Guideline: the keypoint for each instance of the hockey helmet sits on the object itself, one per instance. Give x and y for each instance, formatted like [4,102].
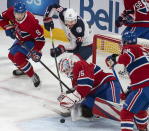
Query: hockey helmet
[66,65]
[129,38]
[19,7]
[70,15]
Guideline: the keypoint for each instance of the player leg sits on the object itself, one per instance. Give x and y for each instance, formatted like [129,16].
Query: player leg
[109,91]
[13,50]
[136,102]
[84,52]
[20,58]
[141,120]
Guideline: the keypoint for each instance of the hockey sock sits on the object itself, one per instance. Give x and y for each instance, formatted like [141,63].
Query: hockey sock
[141,120]
[127,120]
[23,64]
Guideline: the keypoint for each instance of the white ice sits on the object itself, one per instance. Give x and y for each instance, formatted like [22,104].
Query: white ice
[26,108]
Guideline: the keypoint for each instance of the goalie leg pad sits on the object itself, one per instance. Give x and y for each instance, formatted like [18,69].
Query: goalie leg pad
[106,109]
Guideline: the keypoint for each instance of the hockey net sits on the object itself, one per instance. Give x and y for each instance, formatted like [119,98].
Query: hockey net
[103,44]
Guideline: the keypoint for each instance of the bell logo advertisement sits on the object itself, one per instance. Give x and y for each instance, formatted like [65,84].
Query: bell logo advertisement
[37,7]
[101,13]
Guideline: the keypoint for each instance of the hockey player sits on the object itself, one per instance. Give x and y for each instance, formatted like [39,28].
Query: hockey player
[89,81]
[76,30]
[135,17]
[136,62]
[22,25]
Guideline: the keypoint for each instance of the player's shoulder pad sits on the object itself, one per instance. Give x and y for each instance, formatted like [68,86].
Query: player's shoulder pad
[31,18]
[79,28]
[77,67]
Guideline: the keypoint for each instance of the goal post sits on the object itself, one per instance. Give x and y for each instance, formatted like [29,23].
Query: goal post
[111,44]
[105,44]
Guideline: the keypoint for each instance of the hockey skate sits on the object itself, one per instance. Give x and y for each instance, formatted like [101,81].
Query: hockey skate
[18,72]
[36,80]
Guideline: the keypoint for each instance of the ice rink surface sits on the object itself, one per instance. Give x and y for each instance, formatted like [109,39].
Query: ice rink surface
[26,108]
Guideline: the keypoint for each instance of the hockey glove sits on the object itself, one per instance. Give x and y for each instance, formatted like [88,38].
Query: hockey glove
[111,60]
[48,23]
[125,18]
[67,101]
[119,21]
[54,52]
[36,56]
[10,32]
[128,19]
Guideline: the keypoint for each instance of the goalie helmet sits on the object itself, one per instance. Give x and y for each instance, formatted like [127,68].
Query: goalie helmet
[70,15]
[19,7]
[66,65]
[129,38]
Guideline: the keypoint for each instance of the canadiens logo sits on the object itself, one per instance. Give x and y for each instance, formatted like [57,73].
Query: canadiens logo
[79,29]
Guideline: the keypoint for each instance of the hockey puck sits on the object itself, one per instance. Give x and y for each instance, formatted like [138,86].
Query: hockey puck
[62,120]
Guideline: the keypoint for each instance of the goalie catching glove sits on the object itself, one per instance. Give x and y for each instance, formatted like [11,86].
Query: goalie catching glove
[57,51]
[68,100]
[48,23]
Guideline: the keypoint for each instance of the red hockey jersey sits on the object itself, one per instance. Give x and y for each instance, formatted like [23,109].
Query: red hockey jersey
[141,12]
[88,77]
[136,61]
[26,30]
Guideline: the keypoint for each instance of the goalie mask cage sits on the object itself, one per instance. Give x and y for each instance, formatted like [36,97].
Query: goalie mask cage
[106,44]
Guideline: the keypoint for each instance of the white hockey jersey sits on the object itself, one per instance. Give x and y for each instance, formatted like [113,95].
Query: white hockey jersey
[80,31]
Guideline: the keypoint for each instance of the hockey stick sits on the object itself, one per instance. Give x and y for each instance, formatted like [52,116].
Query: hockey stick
[55,76]
[51,35]
[51,72]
